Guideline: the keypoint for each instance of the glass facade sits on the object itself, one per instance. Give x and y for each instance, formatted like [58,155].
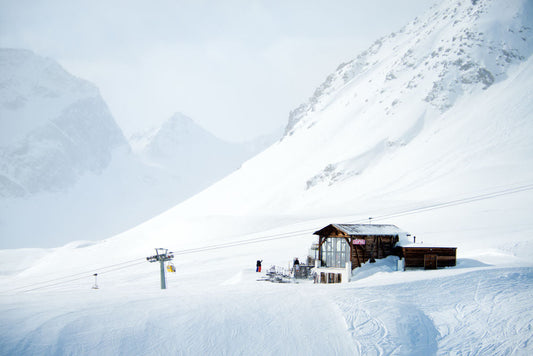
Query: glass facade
[335,252]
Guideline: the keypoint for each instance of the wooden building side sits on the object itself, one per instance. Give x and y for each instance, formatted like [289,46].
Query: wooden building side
[358,243]
[375,247]
[430,257]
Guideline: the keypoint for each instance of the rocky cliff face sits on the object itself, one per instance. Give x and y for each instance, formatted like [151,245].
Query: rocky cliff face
[55,127]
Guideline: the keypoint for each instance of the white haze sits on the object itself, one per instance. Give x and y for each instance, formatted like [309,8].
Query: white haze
[237,67]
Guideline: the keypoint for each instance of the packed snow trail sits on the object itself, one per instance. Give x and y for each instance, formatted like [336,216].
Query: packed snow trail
[478,311]
[250,318]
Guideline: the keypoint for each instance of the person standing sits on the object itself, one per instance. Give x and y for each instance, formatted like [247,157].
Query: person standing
[258,266]
[296,264]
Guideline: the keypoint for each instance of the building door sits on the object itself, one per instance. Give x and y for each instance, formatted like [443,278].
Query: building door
[430,261]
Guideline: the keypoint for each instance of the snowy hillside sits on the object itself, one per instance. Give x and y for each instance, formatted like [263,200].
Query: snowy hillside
[403,98]
[430,129]
[376,139]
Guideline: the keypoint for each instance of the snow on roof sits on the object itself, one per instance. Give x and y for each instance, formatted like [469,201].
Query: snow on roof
[368,229]
[422,245]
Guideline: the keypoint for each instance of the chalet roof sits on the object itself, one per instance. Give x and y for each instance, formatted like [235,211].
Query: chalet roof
[363,229]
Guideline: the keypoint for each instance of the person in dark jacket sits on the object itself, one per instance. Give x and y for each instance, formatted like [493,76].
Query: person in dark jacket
[258,266]
[296,264]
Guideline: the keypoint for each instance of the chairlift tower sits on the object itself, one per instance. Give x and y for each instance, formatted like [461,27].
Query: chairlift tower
[162,255]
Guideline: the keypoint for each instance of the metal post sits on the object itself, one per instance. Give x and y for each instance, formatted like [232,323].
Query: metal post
[95,281]
[163,282]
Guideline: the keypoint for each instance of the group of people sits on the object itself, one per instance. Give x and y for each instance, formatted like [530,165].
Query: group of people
[295,265]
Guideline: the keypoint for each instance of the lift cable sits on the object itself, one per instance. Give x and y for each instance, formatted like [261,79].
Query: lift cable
[455,202]
[99,270]
[381,217]
[131,263]
[86,275]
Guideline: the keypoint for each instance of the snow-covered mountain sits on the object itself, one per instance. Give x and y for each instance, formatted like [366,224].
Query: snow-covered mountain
[54,127]
[415,104]
[177,137]
[438,59]
[186,150]
[430,129]
[66,167]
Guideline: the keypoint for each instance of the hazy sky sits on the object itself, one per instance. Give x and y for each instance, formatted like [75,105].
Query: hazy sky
[236,67]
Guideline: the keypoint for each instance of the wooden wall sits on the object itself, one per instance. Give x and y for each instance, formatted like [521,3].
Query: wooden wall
[414,256]
[375,246]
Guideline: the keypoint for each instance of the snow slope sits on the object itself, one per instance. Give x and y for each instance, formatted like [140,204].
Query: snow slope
[450,162]
[365,127]
[489,316]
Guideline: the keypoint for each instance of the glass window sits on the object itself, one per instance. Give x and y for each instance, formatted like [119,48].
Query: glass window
[336,252]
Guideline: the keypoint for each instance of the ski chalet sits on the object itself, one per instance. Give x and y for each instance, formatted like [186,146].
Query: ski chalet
[343,247]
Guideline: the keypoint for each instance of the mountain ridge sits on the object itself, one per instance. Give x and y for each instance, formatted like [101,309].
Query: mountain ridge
[455,64]
[66,166]
[376,109]
[59,121]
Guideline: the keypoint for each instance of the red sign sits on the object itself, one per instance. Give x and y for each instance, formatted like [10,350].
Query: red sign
[359,241]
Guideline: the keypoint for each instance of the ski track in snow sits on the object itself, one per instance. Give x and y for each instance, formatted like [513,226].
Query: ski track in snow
[487,311]
[257,318]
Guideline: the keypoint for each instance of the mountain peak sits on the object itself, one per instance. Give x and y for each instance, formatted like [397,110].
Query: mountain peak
[55,127]
[179,123]
[180,117]
[423,109]
[28,81]
[455,48]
